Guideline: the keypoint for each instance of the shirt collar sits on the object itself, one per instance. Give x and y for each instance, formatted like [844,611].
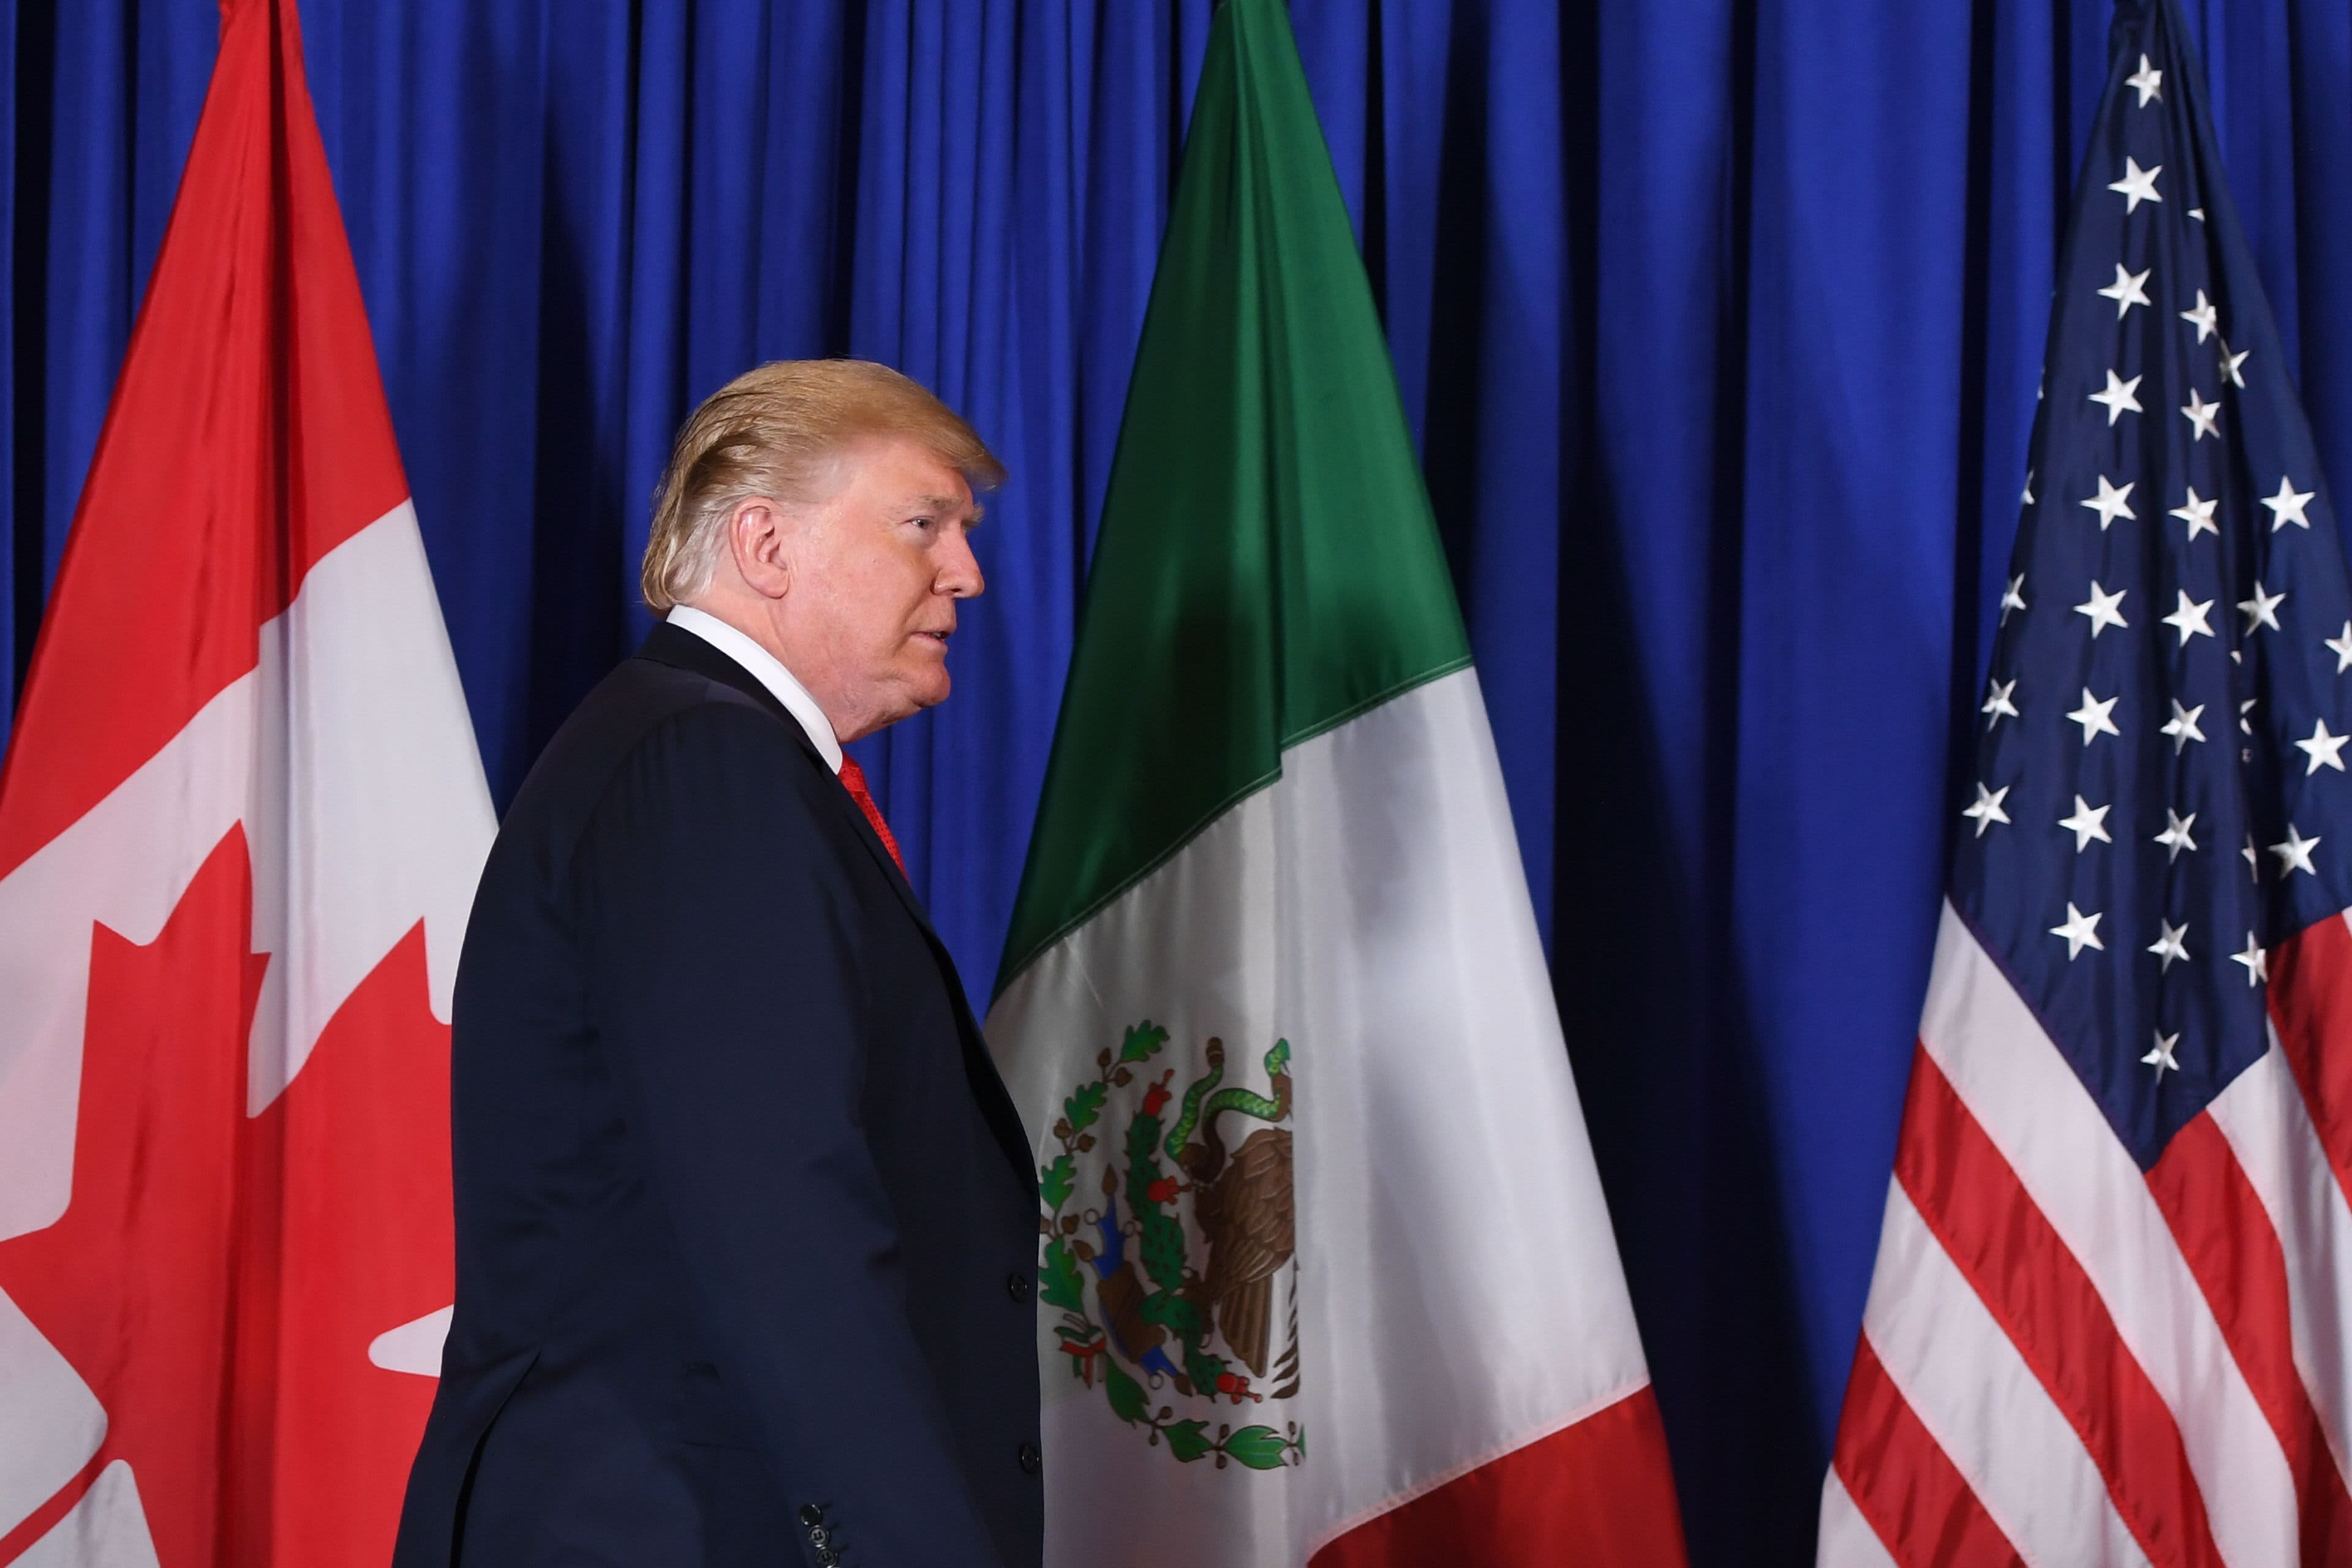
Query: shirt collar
[768,671]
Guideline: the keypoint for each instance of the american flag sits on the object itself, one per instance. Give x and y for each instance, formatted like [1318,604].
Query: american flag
[2114,1291]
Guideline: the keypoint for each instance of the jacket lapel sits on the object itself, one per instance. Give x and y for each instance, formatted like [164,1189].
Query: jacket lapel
[681,649]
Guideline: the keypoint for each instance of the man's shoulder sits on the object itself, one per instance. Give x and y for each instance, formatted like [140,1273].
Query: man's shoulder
[645,703]
[643,693]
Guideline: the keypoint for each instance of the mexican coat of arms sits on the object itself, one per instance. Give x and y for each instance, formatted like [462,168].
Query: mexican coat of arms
[1169,1243]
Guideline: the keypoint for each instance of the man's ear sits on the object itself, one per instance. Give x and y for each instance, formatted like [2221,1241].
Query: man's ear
[758,538]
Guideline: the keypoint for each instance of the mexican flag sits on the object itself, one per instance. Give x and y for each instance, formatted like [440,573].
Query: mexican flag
[1327,1276]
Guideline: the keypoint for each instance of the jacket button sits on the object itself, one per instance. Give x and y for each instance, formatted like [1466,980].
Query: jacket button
[1017,1287]
[812,1515]
[1031,1460]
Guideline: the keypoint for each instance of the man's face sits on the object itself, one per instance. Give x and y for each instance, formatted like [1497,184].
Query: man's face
[877,568]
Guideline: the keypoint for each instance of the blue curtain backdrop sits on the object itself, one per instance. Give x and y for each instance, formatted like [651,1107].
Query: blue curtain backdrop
[1719,321]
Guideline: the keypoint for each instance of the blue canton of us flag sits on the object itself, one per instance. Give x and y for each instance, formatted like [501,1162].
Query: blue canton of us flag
[2160,794]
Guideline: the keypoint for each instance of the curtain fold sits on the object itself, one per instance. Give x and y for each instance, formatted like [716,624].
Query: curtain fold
[1718,323]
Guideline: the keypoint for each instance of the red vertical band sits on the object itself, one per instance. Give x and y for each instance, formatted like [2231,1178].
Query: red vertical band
[1599,1492]
[247,436]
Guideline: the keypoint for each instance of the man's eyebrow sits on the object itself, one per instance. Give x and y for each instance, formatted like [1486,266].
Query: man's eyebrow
[946,503]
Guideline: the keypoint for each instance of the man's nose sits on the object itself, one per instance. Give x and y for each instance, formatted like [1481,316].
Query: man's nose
[959,576]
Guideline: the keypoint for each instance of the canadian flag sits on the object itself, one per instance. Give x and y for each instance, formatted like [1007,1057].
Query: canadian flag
[240,823]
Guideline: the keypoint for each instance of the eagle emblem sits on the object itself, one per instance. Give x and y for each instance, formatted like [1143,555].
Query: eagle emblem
[1170,1249]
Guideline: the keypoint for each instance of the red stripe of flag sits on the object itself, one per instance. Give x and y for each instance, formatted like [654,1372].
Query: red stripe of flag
[1903,1483]
[2037,1291]
[1598,1491]
[2226,1236]
[2311,1005]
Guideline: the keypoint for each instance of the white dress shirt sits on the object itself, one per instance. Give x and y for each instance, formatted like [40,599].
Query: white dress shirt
[768,671]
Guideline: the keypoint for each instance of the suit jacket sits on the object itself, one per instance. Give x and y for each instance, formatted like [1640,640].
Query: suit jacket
[746,1221]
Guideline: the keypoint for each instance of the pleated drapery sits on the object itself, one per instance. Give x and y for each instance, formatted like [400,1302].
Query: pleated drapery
[1717,320]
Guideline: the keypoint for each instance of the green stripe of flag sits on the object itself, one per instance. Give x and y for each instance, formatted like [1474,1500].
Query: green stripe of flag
[1267,565]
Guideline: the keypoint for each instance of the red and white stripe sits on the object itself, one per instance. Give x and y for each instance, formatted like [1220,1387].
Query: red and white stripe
[2067,1360]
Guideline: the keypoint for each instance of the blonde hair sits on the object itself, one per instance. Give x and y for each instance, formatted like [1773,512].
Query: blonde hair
[775,432]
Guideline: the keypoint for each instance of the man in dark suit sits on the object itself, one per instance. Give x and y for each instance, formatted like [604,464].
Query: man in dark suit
[746,1222]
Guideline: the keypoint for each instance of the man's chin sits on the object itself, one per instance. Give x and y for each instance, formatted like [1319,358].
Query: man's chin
[928,689]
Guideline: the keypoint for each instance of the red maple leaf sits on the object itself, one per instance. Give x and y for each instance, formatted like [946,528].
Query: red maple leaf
[216,1278]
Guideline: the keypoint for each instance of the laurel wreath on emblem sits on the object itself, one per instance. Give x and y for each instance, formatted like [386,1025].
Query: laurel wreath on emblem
[1153,1308]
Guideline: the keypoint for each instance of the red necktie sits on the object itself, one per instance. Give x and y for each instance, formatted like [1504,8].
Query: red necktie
[853,779]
